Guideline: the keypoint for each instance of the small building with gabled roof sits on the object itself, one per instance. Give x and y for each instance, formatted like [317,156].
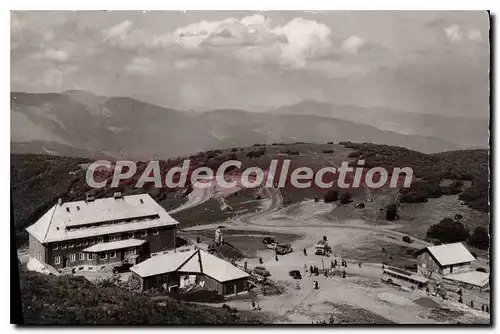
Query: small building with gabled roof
[193,267]
[443,260]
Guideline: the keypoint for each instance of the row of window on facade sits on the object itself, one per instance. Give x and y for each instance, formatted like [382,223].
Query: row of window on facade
[91,241]
[90,256]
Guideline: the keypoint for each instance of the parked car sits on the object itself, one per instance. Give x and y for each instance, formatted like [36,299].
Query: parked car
[261,271]
[122,268]
[295,274]
[481,270]
[268,240]
[272,245]
[407,239]
[282,249]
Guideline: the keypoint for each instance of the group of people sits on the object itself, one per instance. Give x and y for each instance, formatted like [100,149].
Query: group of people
[314,270]
[255,305]
[343,263]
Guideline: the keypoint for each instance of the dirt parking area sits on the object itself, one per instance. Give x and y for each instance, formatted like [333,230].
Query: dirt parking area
[361,290]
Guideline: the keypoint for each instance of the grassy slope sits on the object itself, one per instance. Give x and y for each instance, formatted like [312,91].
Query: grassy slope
[74,300]
[472,165]
[37,181]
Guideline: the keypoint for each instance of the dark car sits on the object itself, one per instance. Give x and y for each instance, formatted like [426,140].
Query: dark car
[295,274]
[268,240]
[261,271]
[122,268]
[407,239]
[481,270]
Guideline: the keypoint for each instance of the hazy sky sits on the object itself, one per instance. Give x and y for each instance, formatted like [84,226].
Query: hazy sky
[429,62]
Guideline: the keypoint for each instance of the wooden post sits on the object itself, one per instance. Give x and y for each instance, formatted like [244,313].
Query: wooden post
[323,264]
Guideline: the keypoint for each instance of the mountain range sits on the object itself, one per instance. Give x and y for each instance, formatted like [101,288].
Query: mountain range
[79,123]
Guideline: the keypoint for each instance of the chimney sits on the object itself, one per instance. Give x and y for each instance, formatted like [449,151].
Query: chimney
[117,195]
[59,201]
[89,198]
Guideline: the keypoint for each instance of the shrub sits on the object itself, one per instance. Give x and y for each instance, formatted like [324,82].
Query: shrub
[256,154]
[345,198]
[479,238]
[356,154]
[448,231]
[291,152]
[331,196]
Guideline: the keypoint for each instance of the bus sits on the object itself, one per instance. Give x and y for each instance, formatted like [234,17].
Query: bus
[403,278]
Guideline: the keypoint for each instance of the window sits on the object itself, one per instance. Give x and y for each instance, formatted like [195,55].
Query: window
[57,260]
[55,247]
[72,257]
[155,231]
[71,245]
[85,242]
[91,241]
[78,243]
[131,235]
[103,256]
[90,256]
[115,237]
[144,233]
[100,240]
[112,254]
[132,251]
[63,246]
[82,256]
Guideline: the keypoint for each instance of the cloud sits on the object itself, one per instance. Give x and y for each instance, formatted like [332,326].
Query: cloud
[455,34]
[52,54]
[250,30]
[251,38]
[185,63]
[141,65]
[352,44]
[118,31]
[475,35]
[305,38]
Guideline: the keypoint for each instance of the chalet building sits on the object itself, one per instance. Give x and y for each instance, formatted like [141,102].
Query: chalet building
[194,267]
[442,260]
[95,233]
